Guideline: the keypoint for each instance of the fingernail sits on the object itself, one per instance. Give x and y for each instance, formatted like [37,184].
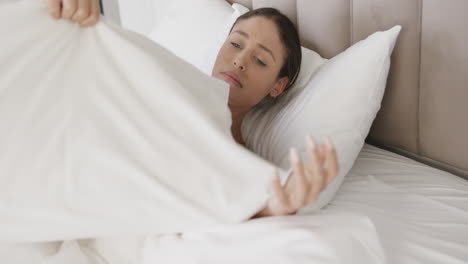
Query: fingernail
[310,142]
[328,143]
[294,155]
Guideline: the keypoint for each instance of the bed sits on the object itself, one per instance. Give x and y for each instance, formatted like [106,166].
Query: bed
[407,189]
[419,214]
[419,208]
[410,177]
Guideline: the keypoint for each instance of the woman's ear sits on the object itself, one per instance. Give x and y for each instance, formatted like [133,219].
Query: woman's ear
[279,86]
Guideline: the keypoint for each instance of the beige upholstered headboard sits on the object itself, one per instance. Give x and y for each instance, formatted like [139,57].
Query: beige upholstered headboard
[424,113]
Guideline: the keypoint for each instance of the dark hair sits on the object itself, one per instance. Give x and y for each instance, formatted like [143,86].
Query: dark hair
[289,37]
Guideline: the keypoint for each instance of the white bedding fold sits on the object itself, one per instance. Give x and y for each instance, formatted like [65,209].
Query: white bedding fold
[106,135]
[103,132]
[328,237]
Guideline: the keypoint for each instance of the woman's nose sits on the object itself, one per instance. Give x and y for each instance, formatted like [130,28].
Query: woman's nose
[239,63]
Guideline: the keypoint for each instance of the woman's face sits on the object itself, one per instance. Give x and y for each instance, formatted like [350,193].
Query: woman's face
[250,60]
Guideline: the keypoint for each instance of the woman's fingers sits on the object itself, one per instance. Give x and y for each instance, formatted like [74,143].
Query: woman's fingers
[302,185]
[332,161]
[306,183]
[280,193]
[322,151]
[55,8]
[82,12]
[316,168]
[283,205]
[69,8]
[94,14]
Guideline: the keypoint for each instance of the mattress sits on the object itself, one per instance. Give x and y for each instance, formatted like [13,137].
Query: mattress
[390,209]
[420,213]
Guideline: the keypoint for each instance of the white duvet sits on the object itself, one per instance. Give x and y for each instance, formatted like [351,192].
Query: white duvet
[331,237]
[104,134]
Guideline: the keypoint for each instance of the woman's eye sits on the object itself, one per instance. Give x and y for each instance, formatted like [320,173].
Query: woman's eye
[260,62]
[235,45]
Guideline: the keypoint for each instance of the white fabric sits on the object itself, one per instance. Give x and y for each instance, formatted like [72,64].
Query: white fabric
[340,101]
[330,237]
[137,16]
[192,29]
[390,209]
[103,132]
[420,213]
[82,151]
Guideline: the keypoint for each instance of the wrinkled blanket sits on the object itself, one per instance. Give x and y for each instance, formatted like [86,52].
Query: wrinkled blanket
[105,133]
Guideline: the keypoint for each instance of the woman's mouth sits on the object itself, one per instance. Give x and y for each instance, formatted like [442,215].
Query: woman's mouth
[232,78]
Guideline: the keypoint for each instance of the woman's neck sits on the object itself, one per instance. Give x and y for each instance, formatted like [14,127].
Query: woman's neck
[236,132]
[237,119]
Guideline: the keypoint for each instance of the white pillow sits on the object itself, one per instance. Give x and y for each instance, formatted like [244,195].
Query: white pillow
[341,101]
[137,16]
[194,30]
[174,19]
[317,104]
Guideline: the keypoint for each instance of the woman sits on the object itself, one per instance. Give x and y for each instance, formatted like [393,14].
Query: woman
[260,60]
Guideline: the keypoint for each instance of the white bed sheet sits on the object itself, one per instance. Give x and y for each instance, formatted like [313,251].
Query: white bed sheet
[390,209]
[329,237]
[420,213]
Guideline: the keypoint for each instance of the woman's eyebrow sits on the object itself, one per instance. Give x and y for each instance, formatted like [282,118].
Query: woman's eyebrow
[267,50]
[263,47]
[241,32]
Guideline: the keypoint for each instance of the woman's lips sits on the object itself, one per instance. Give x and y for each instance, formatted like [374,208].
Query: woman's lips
[232,78]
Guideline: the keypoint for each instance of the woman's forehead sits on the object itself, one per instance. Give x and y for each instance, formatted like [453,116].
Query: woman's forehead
[262,30]
[258,27]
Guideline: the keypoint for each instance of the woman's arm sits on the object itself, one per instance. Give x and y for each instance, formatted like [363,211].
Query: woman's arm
[306,182]
[84,12]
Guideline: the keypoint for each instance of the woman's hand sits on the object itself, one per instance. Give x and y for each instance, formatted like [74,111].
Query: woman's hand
[306,182]
[84,12]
